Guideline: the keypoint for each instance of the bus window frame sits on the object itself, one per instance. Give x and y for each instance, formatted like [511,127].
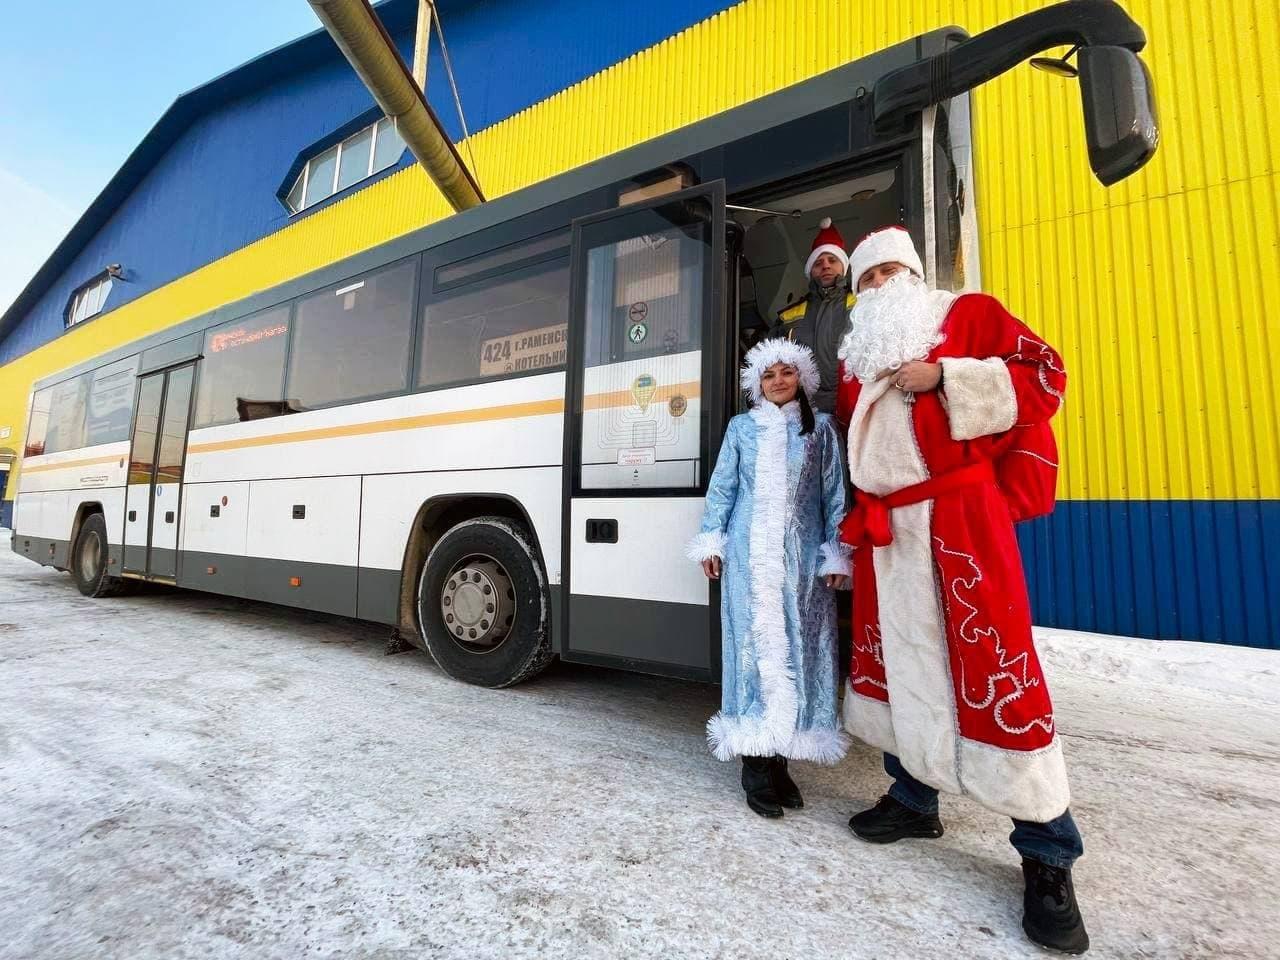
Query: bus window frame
[715,376]
[203,358]
[557,253]
[295,302]
[536,264]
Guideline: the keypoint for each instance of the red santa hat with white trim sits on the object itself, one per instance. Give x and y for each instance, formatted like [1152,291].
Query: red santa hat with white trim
[886,245]
[829,241]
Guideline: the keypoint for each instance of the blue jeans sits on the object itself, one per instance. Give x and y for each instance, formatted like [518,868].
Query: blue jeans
[1056,843]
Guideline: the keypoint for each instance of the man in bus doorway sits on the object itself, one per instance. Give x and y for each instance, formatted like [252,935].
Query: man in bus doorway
[820,320]
[947,403]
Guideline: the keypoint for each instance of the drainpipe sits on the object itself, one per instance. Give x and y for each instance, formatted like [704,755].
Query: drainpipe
[363,41]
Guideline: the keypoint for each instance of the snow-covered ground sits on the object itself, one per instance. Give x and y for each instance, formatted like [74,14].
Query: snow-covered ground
[188,776]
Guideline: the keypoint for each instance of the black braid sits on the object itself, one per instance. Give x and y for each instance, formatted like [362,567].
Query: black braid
[806,413]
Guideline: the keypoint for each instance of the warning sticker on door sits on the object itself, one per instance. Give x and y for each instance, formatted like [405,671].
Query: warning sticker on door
[644,457]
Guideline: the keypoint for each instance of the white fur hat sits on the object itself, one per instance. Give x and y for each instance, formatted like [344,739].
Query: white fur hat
[886,245]
[778,350]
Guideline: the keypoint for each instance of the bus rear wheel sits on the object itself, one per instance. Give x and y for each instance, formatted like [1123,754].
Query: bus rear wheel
[483,603]
[89,560]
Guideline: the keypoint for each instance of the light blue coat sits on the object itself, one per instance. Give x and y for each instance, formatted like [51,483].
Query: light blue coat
[773,507]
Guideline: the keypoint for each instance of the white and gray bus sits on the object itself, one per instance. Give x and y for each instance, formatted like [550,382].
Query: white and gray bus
[494,433]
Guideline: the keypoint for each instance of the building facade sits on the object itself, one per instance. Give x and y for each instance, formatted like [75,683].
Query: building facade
[1154,289]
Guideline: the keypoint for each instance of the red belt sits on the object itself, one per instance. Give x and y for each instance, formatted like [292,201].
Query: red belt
[868,522]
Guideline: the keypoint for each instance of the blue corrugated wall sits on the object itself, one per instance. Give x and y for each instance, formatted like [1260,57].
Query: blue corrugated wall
[1105,566]
[214,191]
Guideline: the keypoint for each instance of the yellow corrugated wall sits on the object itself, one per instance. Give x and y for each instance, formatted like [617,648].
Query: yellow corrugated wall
[1155,289]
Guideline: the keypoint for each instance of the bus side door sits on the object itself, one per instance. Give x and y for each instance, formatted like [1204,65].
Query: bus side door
[646,408]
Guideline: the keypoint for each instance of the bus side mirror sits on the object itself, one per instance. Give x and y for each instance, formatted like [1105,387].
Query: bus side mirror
[1119,111]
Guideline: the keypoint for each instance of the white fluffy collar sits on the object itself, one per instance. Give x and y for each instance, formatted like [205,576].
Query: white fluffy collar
[766,413]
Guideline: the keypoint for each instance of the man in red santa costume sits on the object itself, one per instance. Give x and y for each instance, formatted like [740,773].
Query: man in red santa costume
[947,400]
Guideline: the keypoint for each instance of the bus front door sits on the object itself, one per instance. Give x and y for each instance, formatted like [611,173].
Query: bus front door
[645,410]
[156,458]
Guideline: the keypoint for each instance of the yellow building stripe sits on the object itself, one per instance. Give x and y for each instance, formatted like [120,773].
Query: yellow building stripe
[1157,290]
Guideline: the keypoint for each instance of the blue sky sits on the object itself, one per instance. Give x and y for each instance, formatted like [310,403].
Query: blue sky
[80,85]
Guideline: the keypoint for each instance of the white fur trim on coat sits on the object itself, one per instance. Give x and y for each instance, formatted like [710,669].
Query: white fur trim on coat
[731,737]
[836,251]
[837,559]
[773,730]
[890,245]
[919,722]
[869,720]
[778,350]
[979,396]
[708,544]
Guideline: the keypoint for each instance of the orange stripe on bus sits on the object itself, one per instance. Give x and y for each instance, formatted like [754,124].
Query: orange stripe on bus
[67,464]
[628,398]
[535,408]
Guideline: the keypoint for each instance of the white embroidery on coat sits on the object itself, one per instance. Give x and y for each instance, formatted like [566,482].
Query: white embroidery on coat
[972,634]
[1034,456]
[1042,355]
[874,647]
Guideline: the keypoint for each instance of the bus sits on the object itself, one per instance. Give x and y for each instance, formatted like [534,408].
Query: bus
[494,434]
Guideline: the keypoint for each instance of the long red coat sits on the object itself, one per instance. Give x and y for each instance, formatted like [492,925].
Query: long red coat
[944,672]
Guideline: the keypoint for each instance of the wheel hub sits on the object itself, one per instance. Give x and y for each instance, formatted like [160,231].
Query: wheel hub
[478,603]
[90,557]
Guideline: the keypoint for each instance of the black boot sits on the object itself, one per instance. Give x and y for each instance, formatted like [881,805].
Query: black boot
[889,821]
[761,796]
[786,789]
[1050,915]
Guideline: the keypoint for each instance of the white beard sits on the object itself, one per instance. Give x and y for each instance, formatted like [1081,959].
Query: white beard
[892,325]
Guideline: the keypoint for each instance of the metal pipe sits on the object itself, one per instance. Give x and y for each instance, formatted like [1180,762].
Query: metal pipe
[363,41]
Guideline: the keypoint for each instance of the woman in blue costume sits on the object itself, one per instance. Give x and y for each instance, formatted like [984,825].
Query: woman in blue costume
[769,533]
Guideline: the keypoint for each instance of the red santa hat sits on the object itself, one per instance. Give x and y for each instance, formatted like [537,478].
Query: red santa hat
[829,241]
[886,245]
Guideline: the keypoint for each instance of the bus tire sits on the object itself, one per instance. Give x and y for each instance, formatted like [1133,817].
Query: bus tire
[483,603]
[89,560]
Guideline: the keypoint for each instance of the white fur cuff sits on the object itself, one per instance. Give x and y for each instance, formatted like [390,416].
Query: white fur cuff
[706,545]
[836,559]
[979,396]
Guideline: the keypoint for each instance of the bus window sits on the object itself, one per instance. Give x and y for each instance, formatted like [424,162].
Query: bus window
[39,424]
[504,327]
[242,374]
[954,206]
[351,342]
[486,264]
[66,416]
[648,294]
[110,402]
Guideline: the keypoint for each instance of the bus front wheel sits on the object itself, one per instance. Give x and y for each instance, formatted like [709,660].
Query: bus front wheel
[483,603]
[89,560]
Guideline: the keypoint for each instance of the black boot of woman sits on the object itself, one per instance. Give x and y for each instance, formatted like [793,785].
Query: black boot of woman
[757,781]
[787,792]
